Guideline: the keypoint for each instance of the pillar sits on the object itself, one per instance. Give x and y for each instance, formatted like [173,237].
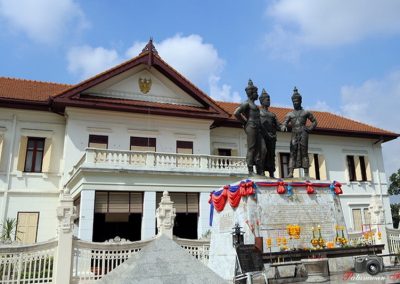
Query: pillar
[149,215]
[204,214]
[86,215]
[66,214]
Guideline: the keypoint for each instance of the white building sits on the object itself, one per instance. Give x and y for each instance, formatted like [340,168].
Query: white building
[120,138]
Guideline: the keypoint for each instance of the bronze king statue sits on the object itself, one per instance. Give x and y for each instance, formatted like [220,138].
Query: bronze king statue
[249,115]
[299,141]
[269,126]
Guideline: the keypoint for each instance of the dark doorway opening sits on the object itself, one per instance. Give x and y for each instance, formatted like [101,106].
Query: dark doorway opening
[110,225]
[186,225]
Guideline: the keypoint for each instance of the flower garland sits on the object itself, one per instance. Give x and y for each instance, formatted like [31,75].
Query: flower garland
[234,193]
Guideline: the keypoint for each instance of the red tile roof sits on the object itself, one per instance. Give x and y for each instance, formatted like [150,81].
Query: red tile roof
[28,90]
[31,92]
[327,122]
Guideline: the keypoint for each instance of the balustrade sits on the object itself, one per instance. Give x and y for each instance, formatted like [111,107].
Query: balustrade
[160,161]
[27,263]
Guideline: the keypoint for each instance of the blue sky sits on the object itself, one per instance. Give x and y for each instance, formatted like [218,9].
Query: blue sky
[343,55]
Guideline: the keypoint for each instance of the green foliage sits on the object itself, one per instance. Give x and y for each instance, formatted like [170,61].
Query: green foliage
[395,214]
[394,187]
[8,230]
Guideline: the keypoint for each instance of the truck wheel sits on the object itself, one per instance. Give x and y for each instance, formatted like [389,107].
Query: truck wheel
[373,267]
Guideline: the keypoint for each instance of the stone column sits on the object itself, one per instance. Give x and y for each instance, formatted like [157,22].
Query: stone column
[204,214]
[149,215]
[66,214]
[165,216]
[86,215]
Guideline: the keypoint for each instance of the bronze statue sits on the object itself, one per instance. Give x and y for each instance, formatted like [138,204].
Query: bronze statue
[269,126]
[299,141]
[249,115]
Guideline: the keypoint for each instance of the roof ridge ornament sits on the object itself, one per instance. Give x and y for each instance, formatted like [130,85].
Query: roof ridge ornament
[150,47]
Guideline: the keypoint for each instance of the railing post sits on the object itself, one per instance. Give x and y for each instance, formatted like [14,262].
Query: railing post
[66,214]
[90,156]
[150,159]
[203,162]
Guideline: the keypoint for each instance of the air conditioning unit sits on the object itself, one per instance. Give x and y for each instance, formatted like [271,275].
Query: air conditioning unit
[373,264]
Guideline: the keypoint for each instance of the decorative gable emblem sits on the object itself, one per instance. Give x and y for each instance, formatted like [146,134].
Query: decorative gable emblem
[144,85]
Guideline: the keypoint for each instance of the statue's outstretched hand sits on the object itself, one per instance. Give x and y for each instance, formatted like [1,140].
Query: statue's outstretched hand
[283,128]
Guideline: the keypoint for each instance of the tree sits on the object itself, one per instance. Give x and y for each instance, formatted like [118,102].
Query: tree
[394,187]
[395,214]
[8,230]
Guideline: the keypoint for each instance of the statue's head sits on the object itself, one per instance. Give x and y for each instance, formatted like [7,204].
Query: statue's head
[251,90]
[265,99]
[296,99]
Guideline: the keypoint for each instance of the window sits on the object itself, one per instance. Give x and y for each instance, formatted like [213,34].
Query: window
[143,144]
[184,147]
[284,164]
[35,151]
[363,169]
[34,155]
[27,225]
[351,167]
[98,141]
[359,168]
[118,202]
[117,213]
[361,219]
[224,152]
[317,167]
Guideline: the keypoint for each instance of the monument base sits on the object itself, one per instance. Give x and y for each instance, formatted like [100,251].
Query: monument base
[313,206]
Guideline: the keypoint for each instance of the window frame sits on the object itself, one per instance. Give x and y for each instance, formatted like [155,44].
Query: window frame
[150,142]
[351,167]
[316,166]
[35,152]
[184,143]
[363,168]
[281,163]
[98,139]
[363,209]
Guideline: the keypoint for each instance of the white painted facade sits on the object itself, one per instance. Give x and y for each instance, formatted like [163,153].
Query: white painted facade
[81,171]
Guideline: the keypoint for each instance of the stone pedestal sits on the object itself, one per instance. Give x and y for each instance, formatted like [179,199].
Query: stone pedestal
[267,214]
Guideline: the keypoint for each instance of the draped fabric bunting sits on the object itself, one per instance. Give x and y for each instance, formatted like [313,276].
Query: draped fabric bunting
[234,193]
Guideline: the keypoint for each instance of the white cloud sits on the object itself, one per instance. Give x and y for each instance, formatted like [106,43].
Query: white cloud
[377,102]
[191,56]
[321,106]
[222,93]
[298,24]
[44,21]
[87,61]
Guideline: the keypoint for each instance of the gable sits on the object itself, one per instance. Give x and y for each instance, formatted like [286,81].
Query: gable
[117,89]
[126,86]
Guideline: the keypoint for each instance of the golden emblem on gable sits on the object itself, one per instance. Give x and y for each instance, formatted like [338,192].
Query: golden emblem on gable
[144,85]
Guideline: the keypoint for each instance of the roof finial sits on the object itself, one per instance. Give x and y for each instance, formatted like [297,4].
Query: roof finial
[150,47]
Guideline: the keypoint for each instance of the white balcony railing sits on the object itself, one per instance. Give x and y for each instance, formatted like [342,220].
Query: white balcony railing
[154,161]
